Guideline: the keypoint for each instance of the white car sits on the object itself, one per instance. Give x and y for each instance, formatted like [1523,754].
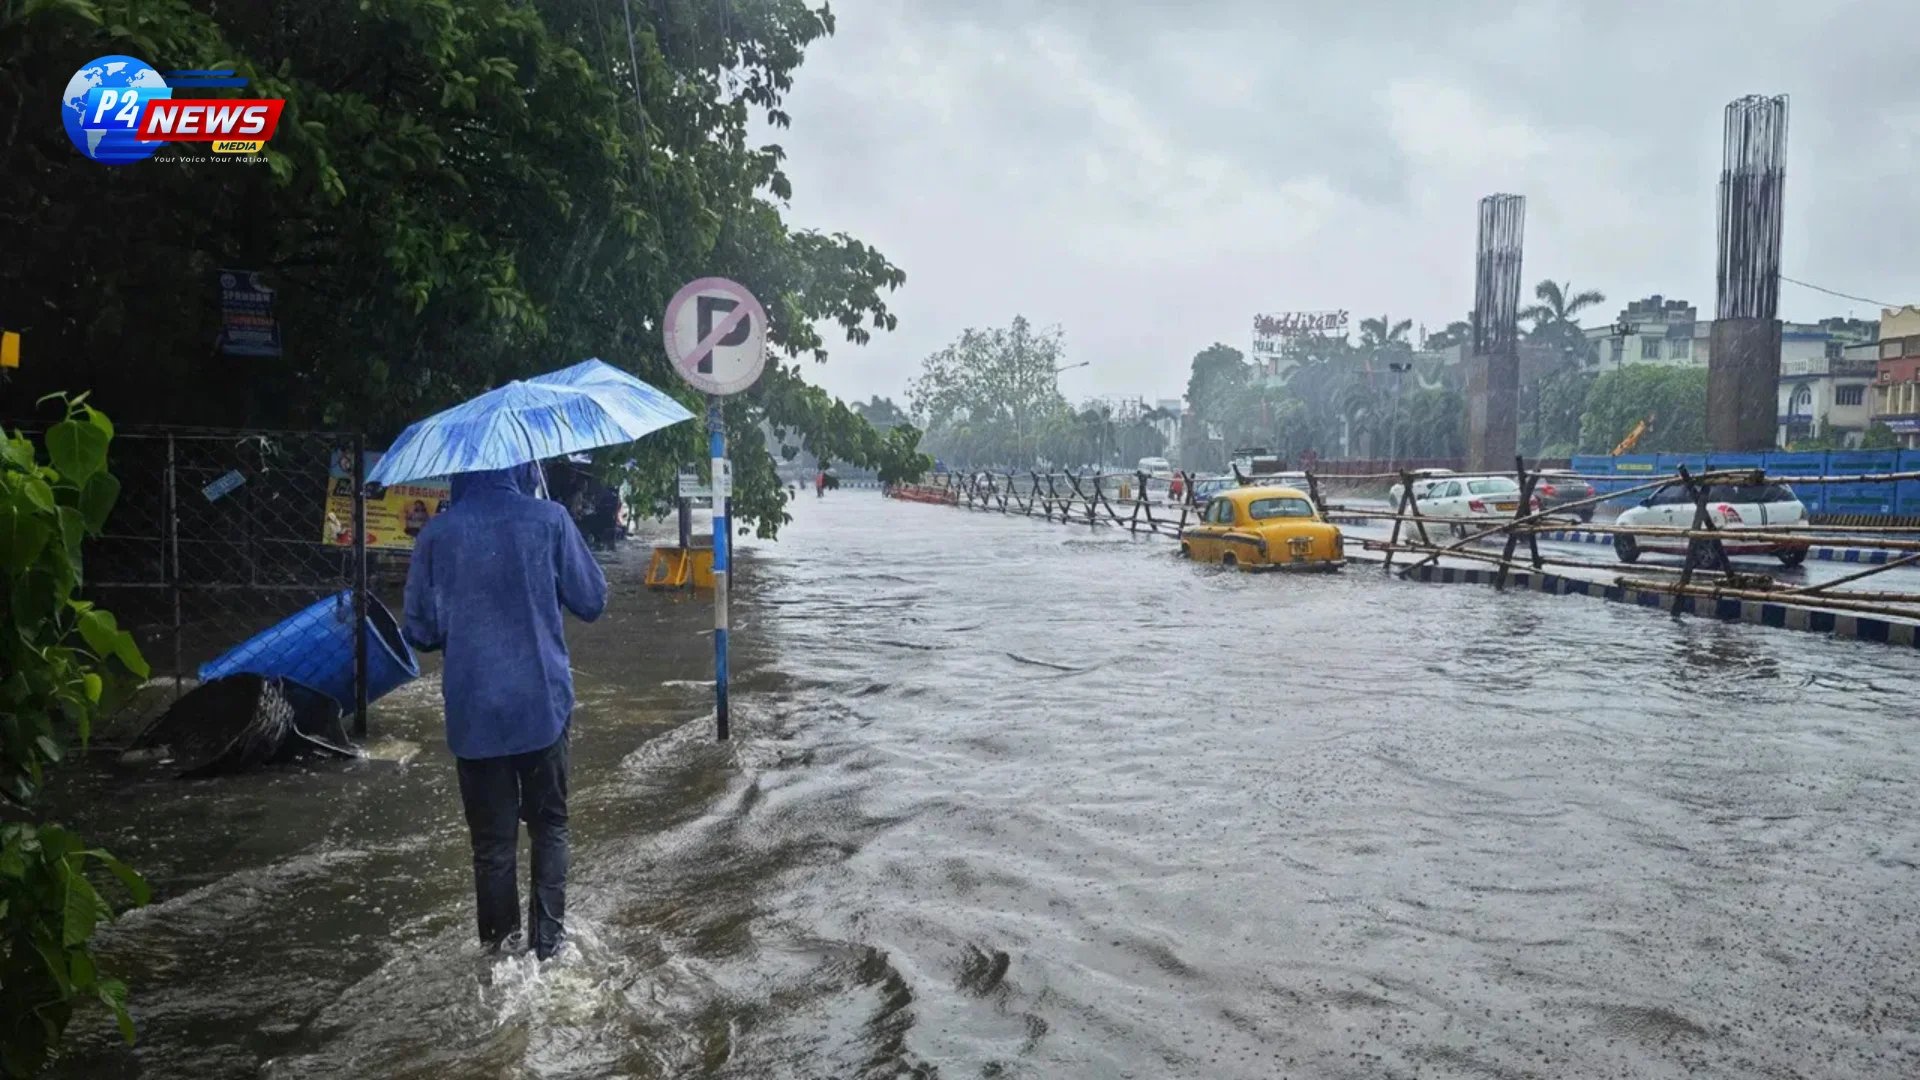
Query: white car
[1766,507]
[1156,466]
[1423,481]
[1463,500]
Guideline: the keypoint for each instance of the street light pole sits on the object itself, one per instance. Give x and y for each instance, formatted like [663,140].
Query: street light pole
[1393,433]
[1057,371]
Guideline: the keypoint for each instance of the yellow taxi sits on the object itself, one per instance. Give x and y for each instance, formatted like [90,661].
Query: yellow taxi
[1263,528]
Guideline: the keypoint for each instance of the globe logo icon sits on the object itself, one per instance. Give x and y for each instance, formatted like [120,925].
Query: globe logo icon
[102,104]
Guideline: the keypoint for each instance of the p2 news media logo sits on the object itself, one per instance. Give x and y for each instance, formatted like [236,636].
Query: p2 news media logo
[118,110]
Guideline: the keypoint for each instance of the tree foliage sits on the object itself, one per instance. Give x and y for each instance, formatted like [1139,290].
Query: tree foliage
[1619,399]
[458,194]
[992,396]
[63,659]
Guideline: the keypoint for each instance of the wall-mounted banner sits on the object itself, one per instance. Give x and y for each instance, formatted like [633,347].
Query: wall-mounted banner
[393,519]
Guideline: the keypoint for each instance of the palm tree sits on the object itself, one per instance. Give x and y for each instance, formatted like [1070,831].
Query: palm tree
[1556,325]
[1378,335]
[1457,332]
[1558,305]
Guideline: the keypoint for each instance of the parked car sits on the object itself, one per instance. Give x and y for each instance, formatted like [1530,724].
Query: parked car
[1733,507]
[1156,466]
[1206,487]
[1558,487]
[1263,527]
[1423,481]
[1463,500]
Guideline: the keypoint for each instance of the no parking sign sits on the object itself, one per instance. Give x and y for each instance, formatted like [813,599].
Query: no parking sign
[716,337]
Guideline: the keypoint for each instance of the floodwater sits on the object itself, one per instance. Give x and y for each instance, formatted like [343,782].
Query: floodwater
[1014,799]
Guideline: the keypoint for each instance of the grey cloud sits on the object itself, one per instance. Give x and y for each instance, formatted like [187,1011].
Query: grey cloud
[1149,175]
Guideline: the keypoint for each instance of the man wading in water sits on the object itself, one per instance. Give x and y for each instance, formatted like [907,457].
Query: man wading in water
[487,583]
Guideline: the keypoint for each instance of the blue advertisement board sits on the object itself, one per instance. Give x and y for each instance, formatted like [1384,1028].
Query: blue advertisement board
[1907,501]
[1862,498]
[1785,465]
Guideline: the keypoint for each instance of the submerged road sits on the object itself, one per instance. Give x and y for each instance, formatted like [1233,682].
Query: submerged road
[1012,799]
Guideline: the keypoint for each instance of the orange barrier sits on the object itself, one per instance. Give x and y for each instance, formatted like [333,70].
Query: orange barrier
[918,493]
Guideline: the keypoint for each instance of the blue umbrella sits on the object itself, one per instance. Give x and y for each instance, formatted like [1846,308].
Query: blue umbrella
[588,405]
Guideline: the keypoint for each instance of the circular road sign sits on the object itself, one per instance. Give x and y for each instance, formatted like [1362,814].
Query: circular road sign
[716,335]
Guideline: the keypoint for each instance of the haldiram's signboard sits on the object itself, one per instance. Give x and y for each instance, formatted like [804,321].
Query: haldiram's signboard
[1272,332]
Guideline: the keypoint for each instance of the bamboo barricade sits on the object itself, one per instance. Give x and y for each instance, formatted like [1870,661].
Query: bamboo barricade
[1093,499]
[1705,570]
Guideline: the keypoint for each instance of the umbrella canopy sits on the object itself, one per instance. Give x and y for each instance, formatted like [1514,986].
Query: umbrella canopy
[588,405]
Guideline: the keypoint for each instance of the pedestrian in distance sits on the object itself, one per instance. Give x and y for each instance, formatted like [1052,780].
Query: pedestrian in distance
[487,584]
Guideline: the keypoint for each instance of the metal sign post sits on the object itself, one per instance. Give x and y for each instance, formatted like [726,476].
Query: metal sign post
[716,337]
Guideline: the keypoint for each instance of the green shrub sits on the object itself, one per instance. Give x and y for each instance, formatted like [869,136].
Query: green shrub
[63,661]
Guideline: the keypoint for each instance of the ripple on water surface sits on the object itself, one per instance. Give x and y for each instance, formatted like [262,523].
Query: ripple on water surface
[1013,799]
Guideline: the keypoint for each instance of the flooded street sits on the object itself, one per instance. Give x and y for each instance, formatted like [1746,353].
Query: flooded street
[1012,799]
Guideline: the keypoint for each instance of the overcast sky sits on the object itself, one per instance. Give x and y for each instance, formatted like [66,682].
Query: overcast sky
[1149,175]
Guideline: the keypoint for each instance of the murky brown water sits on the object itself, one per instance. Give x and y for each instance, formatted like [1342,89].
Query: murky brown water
[1013,799]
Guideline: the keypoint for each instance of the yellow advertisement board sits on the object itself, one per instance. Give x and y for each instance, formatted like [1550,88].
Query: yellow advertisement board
[393,519]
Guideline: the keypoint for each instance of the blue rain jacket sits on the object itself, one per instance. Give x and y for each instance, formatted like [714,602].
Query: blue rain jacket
[487,583]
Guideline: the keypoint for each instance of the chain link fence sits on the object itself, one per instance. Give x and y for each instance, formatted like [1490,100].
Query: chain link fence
[219,536]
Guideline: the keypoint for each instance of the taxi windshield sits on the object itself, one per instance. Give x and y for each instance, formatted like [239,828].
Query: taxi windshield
[1279,506]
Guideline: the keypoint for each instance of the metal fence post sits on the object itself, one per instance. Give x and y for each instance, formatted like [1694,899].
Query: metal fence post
[170,559]
[359,586]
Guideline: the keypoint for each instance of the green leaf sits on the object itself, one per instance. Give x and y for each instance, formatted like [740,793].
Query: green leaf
[55,960]
[80,911]
[73,529]
[94,685]
[34,600]
[99,420]
[99,630]
[18,452]
[136,885]
[81,969]
[97,499]
[113,993]
[128,652]
[48,748]
[37,493]
[22,537]
[78,450]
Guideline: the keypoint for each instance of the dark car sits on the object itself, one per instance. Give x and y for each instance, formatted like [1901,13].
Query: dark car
[1557,489]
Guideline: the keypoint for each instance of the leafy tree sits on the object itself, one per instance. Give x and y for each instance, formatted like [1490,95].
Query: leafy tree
[881,412]
[63,659]
[1551,402]
[459,194]
[1457,332]
[986,397]
[1879,437]
[1623,397]
[1558,401]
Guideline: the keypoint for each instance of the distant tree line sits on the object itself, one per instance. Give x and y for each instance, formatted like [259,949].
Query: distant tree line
[992,400]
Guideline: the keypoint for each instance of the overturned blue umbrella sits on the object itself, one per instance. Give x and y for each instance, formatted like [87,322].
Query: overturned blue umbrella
[589,405]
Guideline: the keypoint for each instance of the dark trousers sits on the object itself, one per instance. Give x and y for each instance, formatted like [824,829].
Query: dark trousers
[499,793]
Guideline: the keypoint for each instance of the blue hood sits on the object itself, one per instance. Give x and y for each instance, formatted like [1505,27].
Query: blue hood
[487,584]
[519,480]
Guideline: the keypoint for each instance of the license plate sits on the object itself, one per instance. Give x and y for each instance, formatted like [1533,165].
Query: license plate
[1301,544]
[1505,508]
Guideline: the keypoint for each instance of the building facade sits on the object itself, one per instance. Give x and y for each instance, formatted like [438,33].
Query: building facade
[1830,395]
[1896,386]
[1822,386]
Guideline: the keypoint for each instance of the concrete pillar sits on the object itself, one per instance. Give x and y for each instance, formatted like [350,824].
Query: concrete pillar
[1493,393]
[1493,369]
[1743,384]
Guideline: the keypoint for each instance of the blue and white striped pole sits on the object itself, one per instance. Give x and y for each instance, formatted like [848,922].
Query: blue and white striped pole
[717,449]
